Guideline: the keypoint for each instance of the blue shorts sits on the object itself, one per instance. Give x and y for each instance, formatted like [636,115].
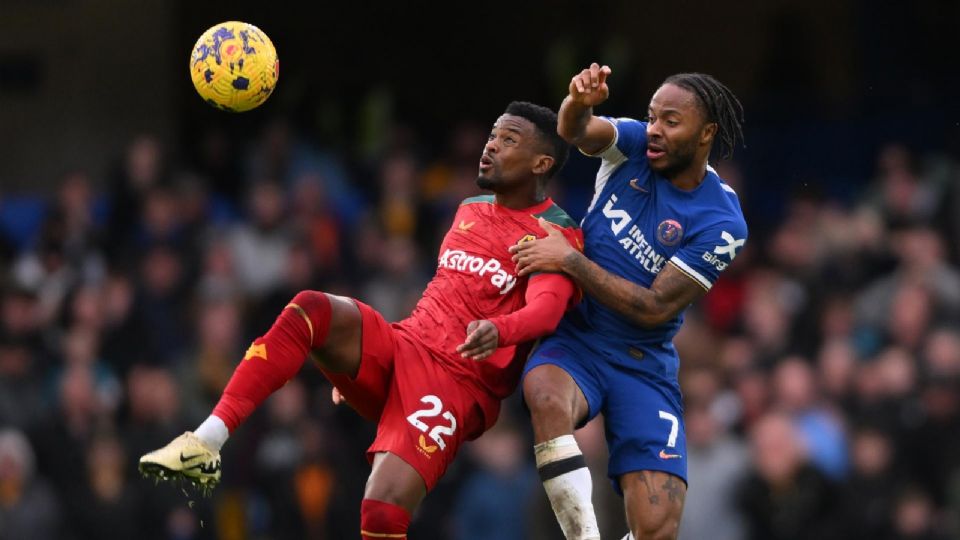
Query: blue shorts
[642,413]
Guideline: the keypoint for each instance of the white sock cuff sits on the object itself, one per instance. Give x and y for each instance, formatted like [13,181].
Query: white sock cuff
[213,432]
[562,447]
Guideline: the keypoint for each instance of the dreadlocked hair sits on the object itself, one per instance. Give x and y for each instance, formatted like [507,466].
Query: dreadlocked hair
[720,104]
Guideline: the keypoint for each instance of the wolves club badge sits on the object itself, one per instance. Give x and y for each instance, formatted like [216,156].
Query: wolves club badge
[526,238]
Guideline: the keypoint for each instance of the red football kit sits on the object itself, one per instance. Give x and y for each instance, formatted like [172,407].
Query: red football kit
[426,398]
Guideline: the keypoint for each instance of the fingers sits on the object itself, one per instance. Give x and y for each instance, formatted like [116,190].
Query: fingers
[480,343]
[590,81]
[594,75]
[602,75]
[547,226]
[336,396]
[470,342]
[581,82]
[472,326]
[522,256]
[591,78]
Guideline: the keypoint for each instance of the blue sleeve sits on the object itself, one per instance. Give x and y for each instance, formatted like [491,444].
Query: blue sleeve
[711,251]
[630,139]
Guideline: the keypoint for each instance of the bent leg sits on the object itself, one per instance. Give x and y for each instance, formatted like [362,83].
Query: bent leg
[654,504]
[557,405]
[341,351]
[312,321]
[271,360]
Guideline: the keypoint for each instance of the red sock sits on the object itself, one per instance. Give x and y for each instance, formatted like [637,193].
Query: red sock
[276,357]
[379,520]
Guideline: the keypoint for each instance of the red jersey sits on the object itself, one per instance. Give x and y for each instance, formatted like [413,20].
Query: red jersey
[476,279]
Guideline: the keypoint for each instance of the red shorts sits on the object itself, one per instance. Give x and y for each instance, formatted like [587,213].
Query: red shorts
[423,414]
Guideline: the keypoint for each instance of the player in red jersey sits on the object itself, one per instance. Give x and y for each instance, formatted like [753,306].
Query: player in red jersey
[436,378]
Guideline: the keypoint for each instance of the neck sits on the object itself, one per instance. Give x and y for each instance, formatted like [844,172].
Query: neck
[521,199]
[691,177]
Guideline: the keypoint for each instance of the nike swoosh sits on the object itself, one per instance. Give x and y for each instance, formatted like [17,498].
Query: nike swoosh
[664,455]
[635,184]
[184,459]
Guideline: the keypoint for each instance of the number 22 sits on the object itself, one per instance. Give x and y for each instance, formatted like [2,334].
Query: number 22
[434,410]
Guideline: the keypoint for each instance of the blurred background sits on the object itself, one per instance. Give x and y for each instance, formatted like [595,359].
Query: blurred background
[146,238]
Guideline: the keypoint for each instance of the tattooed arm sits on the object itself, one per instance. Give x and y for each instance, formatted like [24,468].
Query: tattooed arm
[671,292]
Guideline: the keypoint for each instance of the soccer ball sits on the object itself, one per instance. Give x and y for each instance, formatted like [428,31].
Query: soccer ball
[234,66]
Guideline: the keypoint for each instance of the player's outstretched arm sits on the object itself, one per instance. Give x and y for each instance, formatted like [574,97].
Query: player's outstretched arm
[576,122]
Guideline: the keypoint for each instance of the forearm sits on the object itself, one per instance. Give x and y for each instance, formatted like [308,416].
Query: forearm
[572,120]
[638,304]
[546,302]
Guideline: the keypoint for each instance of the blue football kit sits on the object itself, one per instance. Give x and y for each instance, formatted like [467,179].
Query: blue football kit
[637,223]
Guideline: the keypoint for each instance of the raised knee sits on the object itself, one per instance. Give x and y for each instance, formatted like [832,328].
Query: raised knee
[310,300]
[316,310]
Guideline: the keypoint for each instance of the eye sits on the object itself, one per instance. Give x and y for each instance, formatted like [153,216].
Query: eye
[651,118]
[672,123]
[510,140]
[490,137]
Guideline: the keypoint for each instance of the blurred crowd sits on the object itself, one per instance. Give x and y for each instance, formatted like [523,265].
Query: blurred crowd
[820,374]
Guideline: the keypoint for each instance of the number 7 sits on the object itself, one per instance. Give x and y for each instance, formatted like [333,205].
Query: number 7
[674,428]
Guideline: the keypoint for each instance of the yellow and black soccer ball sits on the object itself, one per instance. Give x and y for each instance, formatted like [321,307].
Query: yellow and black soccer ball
[234,66]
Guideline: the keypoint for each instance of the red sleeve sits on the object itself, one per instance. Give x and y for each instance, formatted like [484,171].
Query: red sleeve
[548,296]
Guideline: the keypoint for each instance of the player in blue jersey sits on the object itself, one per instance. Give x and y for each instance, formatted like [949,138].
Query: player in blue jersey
[660,228]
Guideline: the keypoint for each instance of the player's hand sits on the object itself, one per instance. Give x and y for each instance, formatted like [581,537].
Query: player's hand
[544,254]
[337,397]
[482,339]
[589,87]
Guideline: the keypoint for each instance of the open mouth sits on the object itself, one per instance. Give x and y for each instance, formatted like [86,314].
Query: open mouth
[655,151]
[485,163]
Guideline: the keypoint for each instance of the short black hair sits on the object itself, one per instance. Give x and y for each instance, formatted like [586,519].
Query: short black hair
[719,103]
[546,122]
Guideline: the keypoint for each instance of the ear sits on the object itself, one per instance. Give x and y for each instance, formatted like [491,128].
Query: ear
[542,163]
[708,132]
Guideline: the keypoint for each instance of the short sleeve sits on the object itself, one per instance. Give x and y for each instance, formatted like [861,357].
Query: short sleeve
[710,252]
[629,140]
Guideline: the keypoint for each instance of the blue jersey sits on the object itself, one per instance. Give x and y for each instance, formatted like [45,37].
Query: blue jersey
[637,223]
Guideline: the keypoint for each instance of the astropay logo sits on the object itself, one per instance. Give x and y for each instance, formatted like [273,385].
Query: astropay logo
[461,261]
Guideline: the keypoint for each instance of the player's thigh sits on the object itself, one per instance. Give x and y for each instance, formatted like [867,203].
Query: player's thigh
[394,481]
[654,503]
[643,420]
[341,350]
[563,386]
[555,401]
[427,416]
[360,364]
